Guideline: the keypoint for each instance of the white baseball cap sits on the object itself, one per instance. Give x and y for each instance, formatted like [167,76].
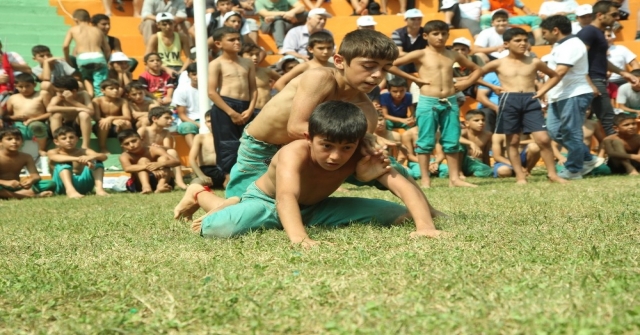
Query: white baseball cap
[227,15]
[448,3]
[498,11]
[463,41]
[412,13]
[118,57]
[164,16]
[320,11]
[284,59]
[366,21]
[584,10]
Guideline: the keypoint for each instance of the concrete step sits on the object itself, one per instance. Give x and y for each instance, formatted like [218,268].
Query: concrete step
[32,20]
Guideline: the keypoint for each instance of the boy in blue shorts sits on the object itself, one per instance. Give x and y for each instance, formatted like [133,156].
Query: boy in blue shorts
[529,156]
[295,190]
[397,105]
[438,106]
[77,170]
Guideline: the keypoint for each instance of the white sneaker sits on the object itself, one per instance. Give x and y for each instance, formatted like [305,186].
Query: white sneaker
[568,175]
[588,166]
[600,161]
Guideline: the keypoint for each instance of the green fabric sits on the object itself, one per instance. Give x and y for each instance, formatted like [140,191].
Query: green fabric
[83,183]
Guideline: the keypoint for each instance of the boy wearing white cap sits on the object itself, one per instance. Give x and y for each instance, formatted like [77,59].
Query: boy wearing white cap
[583,18]
[168,44]
[119,70]
[366,22]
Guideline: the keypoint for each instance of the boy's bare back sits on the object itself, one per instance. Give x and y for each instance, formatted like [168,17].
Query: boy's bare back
[28,106]
[264,76]
[517,75]
[233,78]
[87,38]
[305,93]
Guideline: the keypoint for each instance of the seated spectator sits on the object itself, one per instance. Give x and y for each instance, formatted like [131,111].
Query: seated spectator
[530,19]
[623,147]
[475,142]
[287,63]
[410,37]
[157,82]
[119,70]
[202,159]
[112,113]
[397,105]
[295,43]
[49,67]
[168,43]
[529,156]
[152,8]
[557,7]
[265,76]
[235,21]
[489,43]
[278,16]
[248,28]
[11,64]
[320,48]
[103,23]
[391,139]
[463,14]
[629,96]
[366,22]
[584,15]
[620,56]
[187,105]
[462,46]
[383,7]
[28,111]
[71,107]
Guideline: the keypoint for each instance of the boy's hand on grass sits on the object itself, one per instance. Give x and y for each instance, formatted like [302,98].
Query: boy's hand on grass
[433,233]
[372,167]
[308,243]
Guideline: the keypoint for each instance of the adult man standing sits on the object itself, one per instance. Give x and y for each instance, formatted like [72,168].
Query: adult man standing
[570,98]
[151,8]
[605,14]
[295,43]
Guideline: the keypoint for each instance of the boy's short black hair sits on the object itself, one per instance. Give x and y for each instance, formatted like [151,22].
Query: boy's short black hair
[500,15]
[436,25]
[66,82]
[320,37]
[397,82]
[248,48]
[602,7]
[557,21]
[222,1]
[636,72]
[127,133]
[207,114]
[134,85]
[367,43]
[513,32]
[158,112]
[109,82]
[25,78]
[99,17]
[39,49]
[63,130]
[220,33]
[192,68]
[147,56]
[81,15]
[619,118]
[10,131]
[338,121]
[471,113]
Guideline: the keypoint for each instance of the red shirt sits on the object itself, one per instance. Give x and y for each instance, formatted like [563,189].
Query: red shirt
[157,84]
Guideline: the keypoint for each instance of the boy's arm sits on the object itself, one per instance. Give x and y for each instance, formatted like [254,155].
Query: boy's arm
[553,79]
[307,97]
[627,109]
[273,75]
[169,161]
[46,69]
[289,76]
[460,85]
[474,150]
[212,90]
[184,40]
[287,195]
[44,116]
[167,141]
[194,152]
[408,144]
[409,57]
[615,149]
[413,199]
[253,91]
[56,157]
[106,49]
[125,161]
[394,70]
[385,114]
[95,155]
[10,112]
[624,74]
[152,45]
[496,149]
[117,46]
[182,114]
[126,112]
[66,44]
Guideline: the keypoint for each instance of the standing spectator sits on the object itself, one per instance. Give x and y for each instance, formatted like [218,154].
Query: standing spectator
[103,23]
[583,18]
[489,43]
[295,43]
[530,19]
[605,15]
[410,37]
[464,14]
[278,16]
[151,8]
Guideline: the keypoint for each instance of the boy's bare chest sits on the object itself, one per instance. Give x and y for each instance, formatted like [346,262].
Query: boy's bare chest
[234,70]
[262,79]
[111,108]
[10,166]
[433,61]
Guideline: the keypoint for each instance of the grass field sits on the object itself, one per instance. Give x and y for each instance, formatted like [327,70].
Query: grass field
[544,258]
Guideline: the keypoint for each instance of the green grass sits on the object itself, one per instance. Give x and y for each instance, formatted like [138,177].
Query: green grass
[536,259]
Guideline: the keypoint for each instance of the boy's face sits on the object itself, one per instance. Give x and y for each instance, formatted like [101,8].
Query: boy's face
[253,55]
[11,142]
[224,6]
[41,57]
[207,122]
[289,66]
[165,26]
[110,92]
[363,74]
[193,76]
[234,22]
[120,66]
[500,23]
[136,95]
[230,43]
[331,155]
[322,51]
[397,93]
[154,63]
[519,44]
[381,125]
[132,144]
[66,141]
[585,20]
[626,128]
[104,25]
[437,39]
[164,120]
[609,36]
[461,49]
[475,123]
[25,89]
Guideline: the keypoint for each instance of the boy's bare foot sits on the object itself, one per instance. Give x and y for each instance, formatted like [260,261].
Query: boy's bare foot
[75,195]
[44,194]
[521,182]
[557,179]
[460,183]
[146,190]
[341,189]
[102,193]
[634,173]
[196,226]
[461,176]
[182,186]
[425,183]
[187,205]
[163,188]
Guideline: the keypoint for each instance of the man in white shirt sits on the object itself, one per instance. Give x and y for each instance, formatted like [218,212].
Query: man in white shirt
[583,18]
[570,98]
[629,96]
[296,40]
[620,56]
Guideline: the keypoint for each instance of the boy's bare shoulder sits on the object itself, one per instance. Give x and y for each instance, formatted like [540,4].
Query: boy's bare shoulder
[612,137]
[245,62]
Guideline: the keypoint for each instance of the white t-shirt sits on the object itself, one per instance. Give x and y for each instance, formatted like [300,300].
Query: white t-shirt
[628,97]
[471,10]
[187,96]
[549,8]
[244,29]
[575,27]
[619,56]
[489,38]
[570,51]
[183,80]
